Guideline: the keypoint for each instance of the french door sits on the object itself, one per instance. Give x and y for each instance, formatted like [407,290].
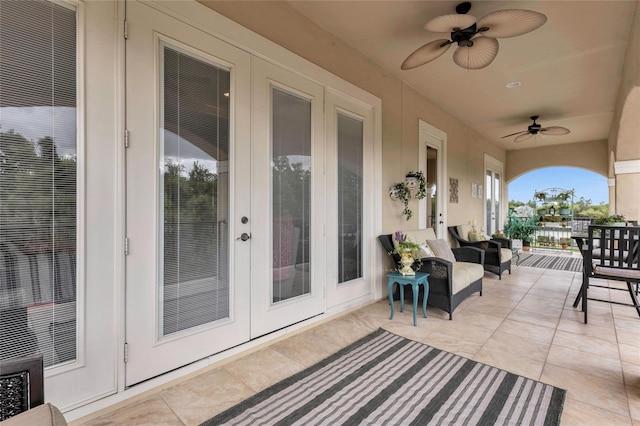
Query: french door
[432,210]
[188,278]
[224,185]
[287,199]
[493,194]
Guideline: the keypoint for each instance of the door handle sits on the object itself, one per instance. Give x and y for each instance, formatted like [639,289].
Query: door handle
[244,236]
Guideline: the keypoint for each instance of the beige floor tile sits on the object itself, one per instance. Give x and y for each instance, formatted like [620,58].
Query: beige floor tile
[343,330]
[540,318]
[631,374]
[530,331]
[490,322]
[406,329]
[451,344]
[518,345]
[510,362]
[592,390]
[586,363]
[629,353]
[628,324]
[203,397]
[631,338]
[587,344]
[263,368]
[592,330]
[633,394]
[576,413]
[305,348]
[488,308]
[149,411]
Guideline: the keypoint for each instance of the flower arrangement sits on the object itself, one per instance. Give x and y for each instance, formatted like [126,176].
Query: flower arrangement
[403,246]
[408,251]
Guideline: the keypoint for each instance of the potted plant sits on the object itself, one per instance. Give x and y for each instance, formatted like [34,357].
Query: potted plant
[402,190]
[540,195]
[565,242]
[564,208]
[611,219]
[519,229]
[407,250]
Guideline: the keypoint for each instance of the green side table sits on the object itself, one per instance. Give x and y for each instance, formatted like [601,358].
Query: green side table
[420,278]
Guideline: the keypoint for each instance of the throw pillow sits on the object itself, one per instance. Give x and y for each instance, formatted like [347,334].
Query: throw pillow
[425,251]
[441,249]
[475,236]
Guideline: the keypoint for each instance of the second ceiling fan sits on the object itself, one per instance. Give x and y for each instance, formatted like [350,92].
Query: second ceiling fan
[536,128]
[477,44]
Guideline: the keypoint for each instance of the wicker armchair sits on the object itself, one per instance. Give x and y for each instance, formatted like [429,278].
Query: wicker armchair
[498,254]
[445,292]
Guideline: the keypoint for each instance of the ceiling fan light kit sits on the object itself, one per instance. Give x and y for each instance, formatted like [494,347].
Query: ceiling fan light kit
[473,51]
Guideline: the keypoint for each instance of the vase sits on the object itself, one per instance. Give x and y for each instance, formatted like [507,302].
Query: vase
[406,260]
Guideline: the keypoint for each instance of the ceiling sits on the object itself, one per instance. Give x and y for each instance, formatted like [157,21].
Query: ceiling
[570,67]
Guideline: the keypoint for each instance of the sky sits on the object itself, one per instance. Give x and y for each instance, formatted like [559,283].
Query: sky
[586,184]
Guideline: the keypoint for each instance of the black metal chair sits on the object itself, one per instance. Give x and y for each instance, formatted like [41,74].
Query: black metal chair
[611,253]
[494,256]
[21,385]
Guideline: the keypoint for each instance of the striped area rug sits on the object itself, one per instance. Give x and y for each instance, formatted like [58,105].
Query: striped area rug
[563,263]
[385,379]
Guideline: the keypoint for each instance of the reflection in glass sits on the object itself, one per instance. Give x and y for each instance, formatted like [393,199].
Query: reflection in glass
[350,142]
[291,180]
[432,178]
[496,200]
[488,191]
[194,192]
[38,181]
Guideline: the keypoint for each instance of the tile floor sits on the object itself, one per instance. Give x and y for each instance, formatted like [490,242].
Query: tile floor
[524,324]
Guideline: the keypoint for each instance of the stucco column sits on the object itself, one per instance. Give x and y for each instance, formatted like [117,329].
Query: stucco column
[611,182]
[627,189]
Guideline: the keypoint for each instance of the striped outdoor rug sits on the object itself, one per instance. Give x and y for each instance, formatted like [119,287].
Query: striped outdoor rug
[385,379]
[563,263]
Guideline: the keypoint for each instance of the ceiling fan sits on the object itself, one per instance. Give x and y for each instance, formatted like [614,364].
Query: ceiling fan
[477,44]
[536,128]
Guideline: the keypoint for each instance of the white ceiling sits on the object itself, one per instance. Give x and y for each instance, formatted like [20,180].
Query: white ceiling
[569,68]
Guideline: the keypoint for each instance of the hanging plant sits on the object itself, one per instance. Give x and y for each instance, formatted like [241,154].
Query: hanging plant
[400,191]
[421,183]
[540,195]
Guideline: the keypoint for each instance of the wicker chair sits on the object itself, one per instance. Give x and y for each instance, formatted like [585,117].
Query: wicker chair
[442,289]
[498,254]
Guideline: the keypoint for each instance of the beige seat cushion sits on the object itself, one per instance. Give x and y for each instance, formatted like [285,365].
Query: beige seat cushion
[464,273]
[42,415]
[630,273]
[505,254]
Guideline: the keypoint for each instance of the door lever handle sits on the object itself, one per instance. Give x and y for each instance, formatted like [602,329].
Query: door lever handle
[244,236]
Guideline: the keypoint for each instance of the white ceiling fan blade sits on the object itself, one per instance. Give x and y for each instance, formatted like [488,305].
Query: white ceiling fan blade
[522,138]
[510,22]
[481,54]
[555,131]
[448,23]
[426,53]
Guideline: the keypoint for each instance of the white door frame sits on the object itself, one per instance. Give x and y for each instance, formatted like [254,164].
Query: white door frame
[496,166]
[435,138]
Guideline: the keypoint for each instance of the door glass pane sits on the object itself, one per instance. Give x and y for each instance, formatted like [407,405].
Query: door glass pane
[194,192]
[350,142]
[38,172]
[432,180]
[488,192]
[496,203]
[291,183]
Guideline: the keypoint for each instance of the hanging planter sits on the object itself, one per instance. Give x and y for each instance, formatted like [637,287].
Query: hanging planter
[400,191]
[417,180]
